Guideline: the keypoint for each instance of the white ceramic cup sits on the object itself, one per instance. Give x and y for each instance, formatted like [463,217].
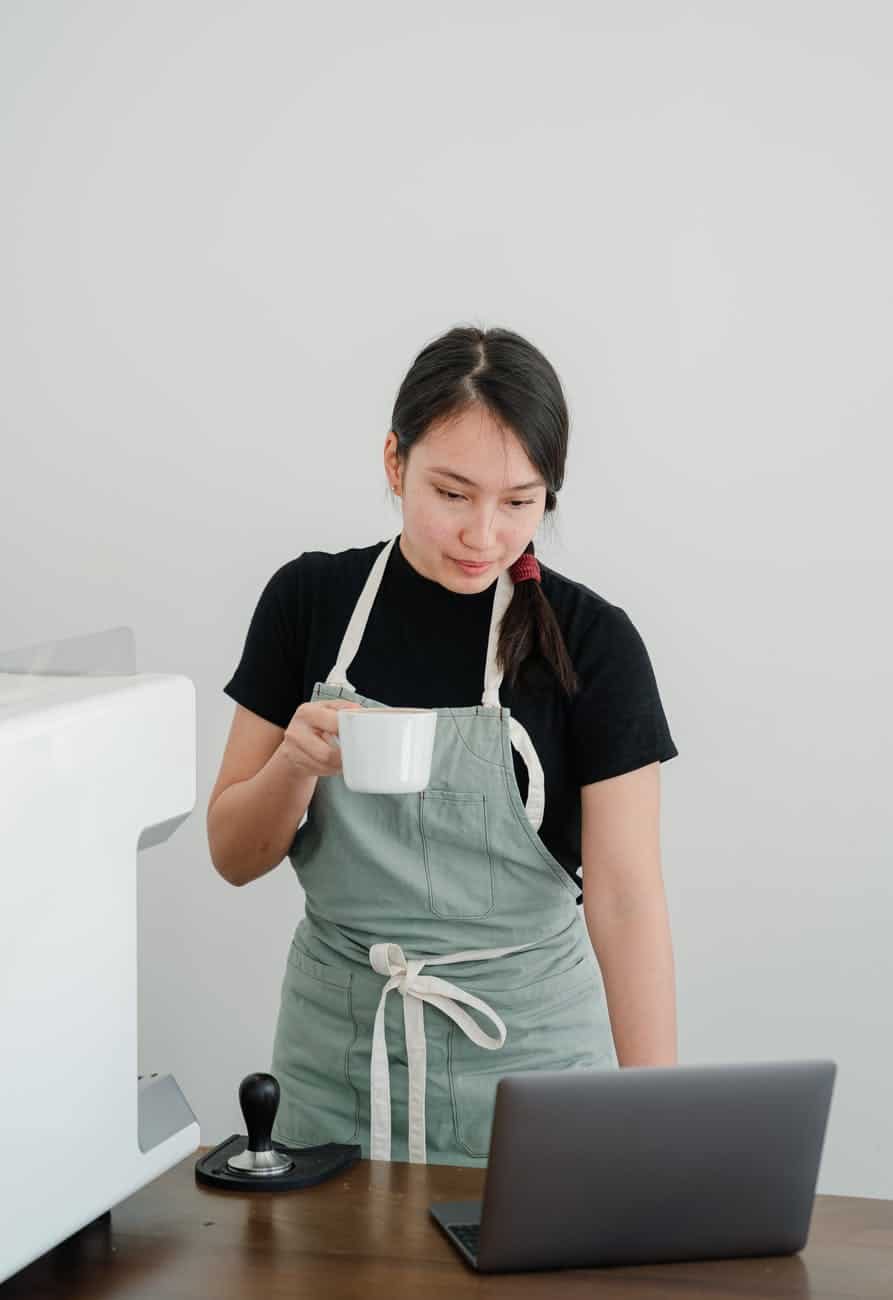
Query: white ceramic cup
[386,751]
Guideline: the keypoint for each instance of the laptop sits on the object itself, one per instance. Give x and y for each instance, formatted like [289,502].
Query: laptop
[646,1165]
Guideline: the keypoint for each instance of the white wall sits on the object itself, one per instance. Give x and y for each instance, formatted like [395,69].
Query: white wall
[227,231]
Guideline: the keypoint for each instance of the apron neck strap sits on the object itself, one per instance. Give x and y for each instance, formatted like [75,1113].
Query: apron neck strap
[353,635]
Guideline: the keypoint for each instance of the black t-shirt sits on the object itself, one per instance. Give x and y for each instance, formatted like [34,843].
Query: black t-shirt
[425,647]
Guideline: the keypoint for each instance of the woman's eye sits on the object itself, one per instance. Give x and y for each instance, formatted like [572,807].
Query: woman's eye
[456,496]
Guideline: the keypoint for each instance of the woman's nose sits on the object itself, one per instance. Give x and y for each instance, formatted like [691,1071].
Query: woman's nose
[477,534]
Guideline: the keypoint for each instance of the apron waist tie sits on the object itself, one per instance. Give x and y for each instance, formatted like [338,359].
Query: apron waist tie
[404,974]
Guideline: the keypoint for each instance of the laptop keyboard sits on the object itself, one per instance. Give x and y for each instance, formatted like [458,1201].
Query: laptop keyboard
[469,1234]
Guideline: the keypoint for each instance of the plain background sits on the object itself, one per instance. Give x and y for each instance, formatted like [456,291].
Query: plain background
[227,231]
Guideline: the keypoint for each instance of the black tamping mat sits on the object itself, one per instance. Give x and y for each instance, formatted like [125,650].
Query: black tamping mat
[256,1163]
[311,1165]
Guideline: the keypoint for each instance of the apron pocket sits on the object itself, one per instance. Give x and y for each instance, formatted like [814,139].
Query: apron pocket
[568,1029]
[456,846]
[314,1036]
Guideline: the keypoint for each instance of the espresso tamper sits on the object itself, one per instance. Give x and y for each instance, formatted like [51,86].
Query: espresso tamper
[258,1164]
[259,1100]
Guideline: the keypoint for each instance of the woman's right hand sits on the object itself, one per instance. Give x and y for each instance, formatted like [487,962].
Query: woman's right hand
[307,740]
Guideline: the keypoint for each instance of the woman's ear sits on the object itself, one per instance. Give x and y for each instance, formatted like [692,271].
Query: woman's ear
[392,465]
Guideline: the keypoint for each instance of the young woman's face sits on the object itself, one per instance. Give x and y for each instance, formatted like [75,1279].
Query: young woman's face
[470,494]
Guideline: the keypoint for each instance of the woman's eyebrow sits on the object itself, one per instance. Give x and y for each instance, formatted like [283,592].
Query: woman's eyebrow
[460,478]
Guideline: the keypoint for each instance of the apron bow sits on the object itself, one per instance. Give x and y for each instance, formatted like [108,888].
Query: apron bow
[404,974]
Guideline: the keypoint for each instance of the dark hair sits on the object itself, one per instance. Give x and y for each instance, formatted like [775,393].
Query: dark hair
[498,370]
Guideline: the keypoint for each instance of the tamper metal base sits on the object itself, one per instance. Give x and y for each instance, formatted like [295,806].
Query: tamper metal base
[261,1164]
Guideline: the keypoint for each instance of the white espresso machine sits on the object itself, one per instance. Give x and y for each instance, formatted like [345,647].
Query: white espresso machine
[97,762]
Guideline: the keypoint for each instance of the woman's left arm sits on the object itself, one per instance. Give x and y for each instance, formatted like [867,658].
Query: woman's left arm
[626,913]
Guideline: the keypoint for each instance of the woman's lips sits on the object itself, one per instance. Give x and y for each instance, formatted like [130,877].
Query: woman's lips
[471,567]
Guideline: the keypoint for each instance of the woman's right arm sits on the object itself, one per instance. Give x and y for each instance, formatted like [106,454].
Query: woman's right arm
[267,779]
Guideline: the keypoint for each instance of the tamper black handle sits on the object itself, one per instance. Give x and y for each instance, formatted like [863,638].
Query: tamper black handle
[259,1099]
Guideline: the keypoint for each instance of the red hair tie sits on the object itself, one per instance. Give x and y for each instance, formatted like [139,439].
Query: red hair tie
[527,567]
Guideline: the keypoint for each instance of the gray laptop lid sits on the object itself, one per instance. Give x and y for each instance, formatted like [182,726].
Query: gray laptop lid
[653,1164]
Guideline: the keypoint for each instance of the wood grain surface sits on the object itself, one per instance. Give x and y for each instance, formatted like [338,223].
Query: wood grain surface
[367,1234]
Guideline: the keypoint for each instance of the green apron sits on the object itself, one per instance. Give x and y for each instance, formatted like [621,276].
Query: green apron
[400,887]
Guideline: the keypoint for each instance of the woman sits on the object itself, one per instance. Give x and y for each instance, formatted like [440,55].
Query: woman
[441,945]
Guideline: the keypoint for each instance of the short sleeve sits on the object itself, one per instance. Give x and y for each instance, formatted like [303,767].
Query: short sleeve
[617,721]
[269,677]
